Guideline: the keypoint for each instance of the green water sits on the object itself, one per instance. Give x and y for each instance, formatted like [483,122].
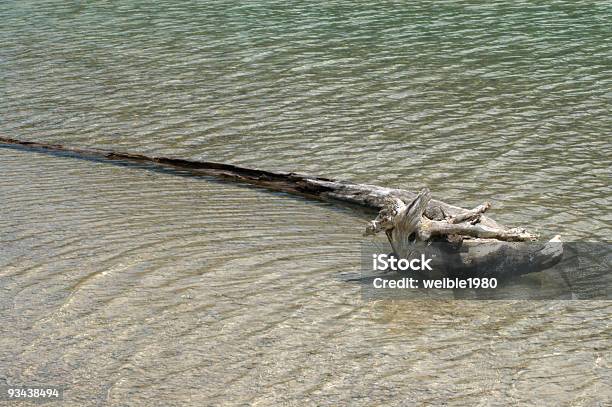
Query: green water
[133,288]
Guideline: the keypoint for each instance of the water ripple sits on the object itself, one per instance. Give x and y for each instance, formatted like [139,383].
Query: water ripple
[139,283]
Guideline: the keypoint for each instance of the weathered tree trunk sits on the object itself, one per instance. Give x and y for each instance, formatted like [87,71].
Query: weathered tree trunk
[404,216]
[406,223]
[368,196]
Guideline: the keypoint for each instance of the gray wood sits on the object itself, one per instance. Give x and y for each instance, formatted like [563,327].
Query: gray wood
[404,216]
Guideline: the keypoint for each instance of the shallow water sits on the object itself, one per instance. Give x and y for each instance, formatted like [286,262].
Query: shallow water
[133,287]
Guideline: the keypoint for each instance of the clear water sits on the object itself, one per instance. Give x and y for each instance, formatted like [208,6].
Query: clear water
[139,288]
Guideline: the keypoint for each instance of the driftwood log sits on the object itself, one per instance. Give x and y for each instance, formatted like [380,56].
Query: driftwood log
[406,223]
[404,216]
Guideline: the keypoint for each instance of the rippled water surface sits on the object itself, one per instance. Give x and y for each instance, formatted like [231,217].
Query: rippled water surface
[133,287]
